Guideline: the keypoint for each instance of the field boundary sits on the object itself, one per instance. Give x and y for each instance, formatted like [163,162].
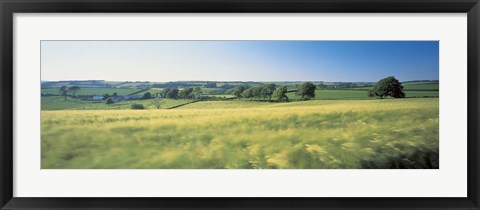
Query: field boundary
[137,92]
[176,106]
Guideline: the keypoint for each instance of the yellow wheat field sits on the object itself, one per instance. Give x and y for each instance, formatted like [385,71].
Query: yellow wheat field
[393,133]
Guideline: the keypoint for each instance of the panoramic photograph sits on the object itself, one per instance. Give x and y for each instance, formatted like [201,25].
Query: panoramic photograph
[239,104]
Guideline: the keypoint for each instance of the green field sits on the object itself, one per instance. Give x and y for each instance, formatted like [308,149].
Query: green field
[138,85]
[94,91]
[59,103]
[340,128]
[409,86]
[231,104]
[388,133]
[421,86]
[328,94]
[153,91]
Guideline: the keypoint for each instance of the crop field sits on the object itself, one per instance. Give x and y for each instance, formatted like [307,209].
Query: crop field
[94,91]
[316,134]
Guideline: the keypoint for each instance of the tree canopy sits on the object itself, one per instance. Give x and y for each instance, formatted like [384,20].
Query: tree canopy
[263,92]
[74,90]
[306,91]
[63,91]
[281,94]
[388,86]
[109,101]
[172,93]
[186,93]
[157,103]
[147,95]
[238,90]
[197,92]
[248,93]
[267,90]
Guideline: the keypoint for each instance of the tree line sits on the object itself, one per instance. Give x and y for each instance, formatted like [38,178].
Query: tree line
[264,92]
[64,90]
[388,86]
[185,93]
[272,92]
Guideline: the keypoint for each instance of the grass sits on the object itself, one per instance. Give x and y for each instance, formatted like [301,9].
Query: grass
[94,91]
[329,94]
[409,86]
[221,95]
[59,103]
[421,86]
[388,133]
[231,104]
[420,94]
[132,84]
[153,91]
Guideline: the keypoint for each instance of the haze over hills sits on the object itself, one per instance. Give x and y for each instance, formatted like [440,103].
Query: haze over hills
[109,84]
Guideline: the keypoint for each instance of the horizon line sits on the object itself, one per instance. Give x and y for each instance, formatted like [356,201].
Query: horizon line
[221,80]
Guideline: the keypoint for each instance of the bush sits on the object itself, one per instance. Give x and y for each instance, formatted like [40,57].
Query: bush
[109,101]
[147,95]
[137,106]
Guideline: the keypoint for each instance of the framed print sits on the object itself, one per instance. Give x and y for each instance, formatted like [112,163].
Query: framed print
[239,104]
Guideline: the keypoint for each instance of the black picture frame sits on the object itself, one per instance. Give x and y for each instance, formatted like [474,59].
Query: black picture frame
[9,7]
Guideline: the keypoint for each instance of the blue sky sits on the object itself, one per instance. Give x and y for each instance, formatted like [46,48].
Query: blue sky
[344,61]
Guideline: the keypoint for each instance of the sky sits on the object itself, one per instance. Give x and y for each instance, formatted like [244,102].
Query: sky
[162,61]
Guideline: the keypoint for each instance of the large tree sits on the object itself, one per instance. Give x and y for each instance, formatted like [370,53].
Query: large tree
[109,101]
[147,95]
[388,86]
[157,103]
[197,93]
[257,92]
[74,90]
[267,91]
[306,91]
[281,94]
[165,91]
[63,91]
[248,93]
[186,93]
[172,93]
[238,90]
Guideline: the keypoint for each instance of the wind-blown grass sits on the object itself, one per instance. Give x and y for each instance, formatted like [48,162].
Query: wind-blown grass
[389,133]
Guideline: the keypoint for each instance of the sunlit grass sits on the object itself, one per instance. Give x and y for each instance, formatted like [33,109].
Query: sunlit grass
[390,133]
